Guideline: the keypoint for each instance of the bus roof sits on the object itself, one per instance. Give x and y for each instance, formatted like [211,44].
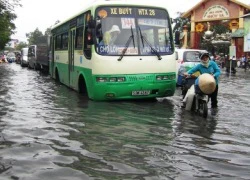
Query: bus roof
[97,3]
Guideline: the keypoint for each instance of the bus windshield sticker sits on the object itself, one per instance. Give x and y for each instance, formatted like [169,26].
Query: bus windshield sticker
[127,23]
[152,22]
[147,50]
[116,50]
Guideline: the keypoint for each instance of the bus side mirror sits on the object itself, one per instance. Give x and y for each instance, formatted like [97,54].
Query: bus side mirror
[172,21]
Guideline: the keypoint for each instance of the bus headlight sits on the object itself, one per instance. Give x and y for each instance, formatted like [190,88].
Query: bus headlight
[158,78]
[110,79]
[101,79]
[165,77]
[121,79]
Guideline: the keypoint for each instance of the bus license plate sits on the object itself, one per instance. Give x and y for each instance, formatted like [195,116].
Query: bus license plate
[140,93]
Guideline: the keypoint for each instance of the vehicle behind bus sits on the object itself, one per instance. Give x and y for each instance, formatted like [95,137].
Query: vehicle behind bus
[139,64]
[24,57]
[38,57]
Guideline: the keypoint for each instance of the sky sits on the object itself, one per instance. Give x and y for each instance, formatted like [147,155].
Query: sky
[43,14]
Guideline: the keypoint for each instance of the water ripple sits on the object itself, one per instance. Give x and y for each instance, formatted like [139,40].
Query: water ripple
[48,131]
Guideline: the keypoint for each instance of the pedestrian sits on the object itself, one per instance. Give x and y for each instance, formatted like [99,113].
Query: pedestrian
[222,60]
[207,66]
[242,61]
[248,61]
[234,64]
[212,58]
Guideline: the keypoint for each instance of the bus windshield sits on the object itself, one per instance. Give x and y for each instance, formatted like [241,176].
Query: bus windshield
[133,31]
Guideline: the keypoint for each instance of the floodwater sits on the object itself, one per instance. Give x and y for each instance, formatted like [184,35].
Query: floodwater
[48,131]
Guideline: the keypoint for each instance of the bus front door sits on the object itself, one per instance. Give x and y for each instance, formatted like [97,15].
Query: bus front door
[71,57]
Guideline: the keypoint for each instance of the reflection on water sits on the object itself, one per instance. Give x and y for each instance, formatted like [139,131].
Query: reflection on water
[48,131]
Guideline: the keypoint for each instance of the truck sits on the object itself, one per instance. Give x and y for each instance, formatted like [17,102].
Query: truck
[38,57]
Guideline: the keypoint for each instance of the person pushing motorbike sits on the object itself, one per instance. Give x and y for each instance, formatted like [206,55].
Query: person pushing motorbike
[210,67]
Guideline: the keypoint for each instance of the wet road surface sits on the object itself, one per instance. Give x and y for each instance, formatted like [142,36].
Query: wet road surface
[48,131]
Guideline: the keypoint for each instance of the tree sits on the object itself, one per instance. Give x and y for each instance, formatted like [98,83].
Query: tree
[36,37]
[180,22]
[47,32]
[178,27]
[7,16]
[21,45]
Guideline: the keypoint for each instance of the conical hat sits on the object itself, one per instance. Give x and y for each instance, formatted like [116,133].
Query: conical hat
[207,83]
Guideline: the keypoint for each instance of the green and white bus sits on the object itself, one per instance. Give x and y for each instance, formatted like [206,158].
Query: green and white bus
[140,63]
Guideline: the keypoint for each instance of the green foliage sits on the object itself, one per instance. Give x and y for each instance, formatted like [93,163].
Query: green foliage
[220,28]
[21,45]
[37,37]
[7,16]
[180,22]
[47,32]
[9,49]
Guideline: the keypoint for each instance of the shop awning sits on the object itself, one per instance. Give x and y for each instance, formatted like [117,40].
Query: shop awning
[246,15]
[238,33]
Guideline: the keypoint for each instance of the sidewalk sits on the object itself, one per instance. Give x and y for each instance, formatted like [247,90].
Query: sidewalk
[238,70]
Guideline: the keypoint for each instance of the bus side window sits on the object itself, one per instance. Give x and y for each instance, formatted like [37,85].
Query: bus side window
[87,37]
[58,42]
[65,41]
[79,38]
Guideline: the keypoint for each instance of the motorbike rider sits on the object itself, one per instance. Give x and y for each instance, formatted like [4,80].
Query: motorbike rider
[18,58]
[210,67]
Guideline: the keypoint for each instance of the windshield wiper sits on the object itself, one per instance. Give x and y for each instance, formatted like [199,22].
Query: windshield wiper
[127,44]
[148,43]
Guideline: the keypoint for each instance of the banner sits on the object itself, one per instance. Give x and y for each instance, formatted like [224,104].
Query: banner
[247,34]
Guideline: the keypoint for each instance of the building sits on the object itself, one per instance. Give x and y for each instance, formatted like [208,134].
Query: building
[208,15]
[12,44]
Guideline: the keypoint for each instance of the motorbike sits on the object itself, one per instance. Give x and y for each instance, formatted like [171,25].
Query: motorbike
[194,100]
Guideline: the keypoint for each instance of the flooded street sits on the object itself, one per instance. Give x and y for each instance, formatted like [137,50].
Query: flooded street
[48,131]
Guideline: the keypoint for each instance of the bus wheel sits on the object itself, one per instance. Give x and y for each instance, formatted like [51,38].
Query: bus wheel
[82,86]
[57,76]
